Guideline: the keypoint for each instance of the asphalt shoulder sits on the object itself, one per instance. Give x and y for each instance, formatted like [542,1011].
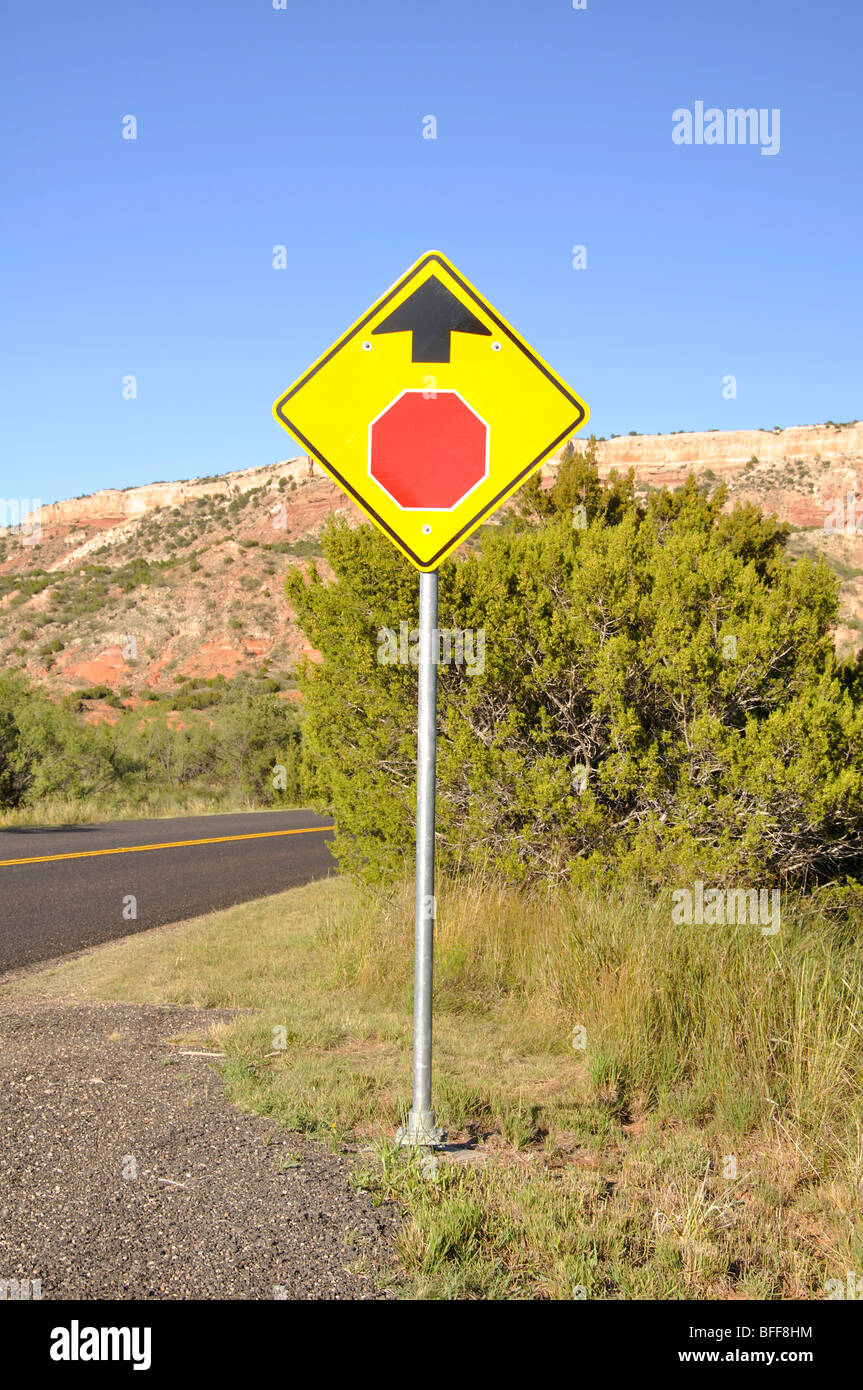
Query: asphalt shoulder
[125,1174]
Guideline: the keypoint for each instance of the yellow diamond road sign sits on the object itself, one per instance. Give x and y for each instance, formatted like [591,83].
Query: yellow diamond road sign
[430,411]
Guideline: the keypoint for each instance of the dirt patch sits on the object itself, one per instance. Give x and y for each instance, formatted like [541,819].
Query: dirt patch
[125,1174]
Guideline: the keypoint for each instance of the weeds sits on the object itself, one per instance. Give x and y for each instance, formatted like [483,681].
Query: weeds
[704,1142]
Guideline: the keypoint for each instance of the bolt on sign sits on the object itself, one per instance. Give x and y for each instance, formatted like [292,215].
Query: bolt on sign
[430,411]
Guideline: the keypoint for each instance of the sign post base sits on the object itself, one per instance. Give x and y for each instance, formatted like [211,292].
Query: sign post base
[420,1132]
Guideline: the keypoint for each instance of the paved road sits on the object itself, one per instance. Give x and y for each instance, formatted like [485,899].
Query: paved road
[52,904]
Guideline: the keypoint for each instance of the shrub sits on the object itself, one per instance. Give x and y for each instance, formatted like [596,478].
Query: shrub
[43,749]
[660,694]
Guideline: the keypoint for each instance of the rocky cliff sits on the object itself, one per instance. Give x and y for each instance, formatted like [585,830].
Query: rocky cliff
[140,588]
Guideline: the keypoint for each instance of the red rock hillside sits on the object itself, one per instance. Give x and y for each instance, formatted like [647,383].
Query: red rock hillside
[138,589]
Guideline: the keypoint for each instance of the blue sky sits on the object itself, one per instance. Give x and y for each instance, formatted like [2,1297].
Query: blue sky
[303,127]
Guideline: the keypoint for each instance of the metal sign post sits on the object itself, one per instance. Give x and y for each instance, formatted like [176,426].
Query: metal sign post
[421,1128]
[429,467]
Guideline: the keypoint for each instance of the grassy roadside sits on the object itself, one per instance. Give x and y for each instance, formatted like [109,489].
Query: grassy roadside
[156,805]
[701,1137]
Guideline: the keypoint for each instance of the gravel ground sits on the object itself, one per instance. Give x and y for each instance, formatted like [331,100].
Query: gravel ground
[215,1205]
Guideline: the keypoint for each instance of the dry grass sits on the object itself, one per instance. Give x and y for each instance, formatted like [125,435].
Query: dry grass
[155,805]
[706,1142]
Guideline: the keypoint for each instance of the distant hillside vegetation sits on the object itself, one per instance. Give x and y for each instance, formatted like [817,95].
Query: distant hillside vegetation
[141,589]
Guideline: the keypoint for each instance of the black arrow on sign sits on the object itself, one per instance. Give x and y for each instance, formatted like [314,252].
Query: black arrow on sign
[432,313]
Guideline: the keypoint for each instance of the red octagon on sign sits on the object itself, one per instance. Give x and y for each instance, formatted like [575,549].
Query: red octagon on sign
[428,451]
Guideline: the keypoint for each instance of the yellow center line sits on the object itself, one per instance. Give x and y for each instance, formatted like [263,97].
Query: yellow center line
[171,844]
